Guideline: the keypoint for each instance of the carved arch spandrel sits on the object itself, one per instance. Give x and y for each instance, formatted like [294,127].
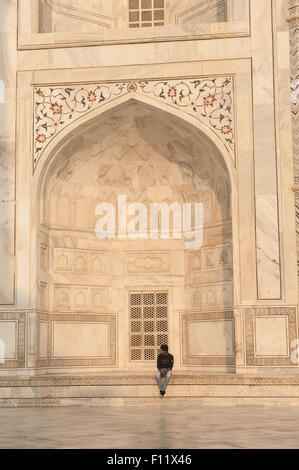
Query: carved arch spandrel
[209,100]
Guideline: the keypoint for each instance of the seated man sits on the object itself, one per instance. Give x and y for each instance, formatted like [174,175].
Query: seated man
[164,365]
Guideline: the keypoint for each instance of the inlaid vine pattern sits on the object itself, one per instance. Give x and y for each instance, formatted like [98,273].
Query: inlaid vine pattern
[210,100]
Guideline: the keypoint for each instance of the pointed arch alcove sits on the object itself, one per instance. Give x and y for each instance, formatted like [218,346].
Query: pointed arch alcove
[150,153]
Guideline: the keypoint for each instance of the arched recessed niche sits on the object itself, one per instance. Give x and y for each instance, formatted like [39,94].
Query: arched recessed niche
[149,156]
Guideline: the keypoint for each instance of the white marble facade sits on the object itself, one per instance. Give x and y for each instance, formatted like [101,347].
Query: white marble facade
[159,101]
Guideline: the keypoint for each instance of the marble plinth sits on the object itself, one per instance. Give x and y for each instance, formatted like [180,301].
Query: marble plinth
[141,390]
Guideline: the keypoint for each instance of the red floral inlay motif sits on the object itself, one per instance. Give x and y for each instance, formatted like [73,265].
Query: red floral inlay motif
[56,108]
[132,86]
[226,129]
[204,95]
[209,100]
[172,92]
[91,96]
[41,138]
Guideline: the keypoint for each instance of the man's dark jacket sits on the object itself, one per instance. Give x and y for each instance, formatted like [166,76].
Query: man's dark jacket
[165,361]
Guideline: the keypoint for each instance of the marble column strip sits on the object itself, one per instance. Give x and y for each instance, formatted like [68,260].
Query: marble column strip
[294,63]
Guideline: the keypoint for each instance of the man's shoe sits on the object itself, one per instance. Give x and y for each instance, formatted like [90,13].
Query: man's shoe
[162,392]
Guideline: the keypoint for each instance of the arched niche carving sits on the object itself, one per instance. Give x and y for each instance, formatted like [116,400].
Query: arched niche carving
[180,157]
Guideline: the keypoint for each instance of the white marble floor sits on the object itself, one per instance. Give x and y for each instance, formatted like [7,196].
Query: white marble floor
[145,428]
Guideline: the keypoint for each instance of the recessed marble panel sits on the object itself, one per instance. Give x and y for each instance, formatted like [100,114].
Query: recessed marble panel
[268,252]
[210,338]
[8,332]
[80,339]
[43,339]
[271,336]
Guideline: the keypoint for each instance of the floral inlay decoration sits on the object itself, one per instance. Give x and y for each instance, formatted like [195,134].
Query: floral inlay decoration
[210,100]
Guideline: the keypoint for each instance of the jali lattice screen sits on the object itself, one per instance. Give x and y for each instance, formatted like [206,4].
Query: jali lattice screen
[146,13]
[148,324]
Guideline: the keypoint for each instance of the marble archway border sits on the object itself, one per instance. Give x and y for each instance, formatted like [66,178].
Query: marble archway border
[209,99]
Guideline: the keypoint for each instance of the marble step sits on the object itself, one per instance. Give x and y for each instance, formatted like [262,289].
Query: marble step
[169,402]
[126,389]
[148,391]
[121,379]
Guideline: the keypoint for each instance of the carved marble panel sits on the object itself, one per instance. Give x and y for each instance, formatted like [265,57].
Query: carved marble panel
[43,340]
[96,262]
[202,296]
[44,296]
[8,338]
[66,332]
[79,262]
[79,340]
[80,298]
[18,332]
[98,298]
[62,297]
[44,253]
[271,336]
[207,338]
[195,261]
[148,262]
[269,332]
[63,260]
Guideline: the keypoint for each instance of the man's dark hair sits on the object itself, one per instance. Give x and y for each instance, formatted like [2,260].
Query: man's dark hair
[164,347]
